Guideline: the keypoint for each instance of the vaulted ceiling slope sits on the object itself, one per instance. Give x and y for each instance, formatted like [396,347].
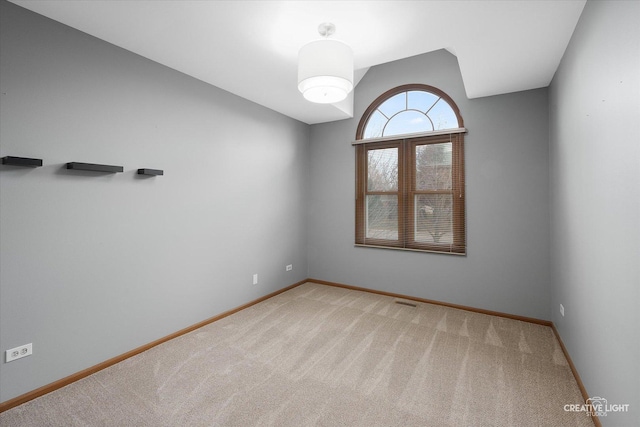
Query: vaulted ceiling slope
[250,48]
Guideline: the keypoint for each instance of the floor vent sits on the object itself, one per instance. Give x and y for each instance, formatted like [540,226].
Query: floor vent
[410,304]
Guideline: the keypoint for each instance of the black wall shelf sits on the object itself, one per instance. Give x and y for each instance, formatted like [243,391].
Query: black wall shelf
[22,161]
[150,172]
[94,167]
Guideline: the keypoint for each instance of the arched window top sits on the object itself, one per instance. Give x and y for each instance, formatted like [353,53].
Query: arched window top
[409,109]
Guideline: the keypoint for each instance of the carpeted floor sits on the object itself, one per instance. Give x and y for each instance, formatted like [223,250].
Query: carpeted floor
[318,355]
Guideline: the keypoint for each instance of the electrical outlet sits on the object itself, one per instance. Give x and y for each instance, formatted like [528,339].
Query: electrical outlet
[18,352]
[289,267]
[255,279]
[562,310]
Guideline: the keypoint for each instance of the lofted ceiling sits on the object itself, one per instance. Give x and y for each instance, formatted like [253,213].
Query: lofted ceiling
[250,48]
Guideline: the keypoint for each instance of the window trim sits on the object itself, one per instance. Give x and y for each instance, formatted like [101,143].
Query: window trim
[409,136]
[406,179]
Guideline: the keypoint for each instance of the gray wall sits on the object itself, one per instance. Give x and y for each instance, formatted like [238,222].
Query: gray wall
[595,203]
[96,265]
[506,154]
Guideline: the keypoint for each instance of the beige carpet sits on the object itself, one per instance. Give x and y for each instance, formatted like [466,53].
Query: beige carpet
[323,356]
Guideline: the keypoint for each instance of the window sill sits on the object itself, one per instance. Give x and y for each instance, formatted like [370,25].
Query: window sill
[358,245]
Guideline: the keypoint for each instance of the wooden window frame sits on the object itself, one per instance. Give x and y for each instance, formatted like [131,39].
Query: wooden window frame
[361,183]
[407,190]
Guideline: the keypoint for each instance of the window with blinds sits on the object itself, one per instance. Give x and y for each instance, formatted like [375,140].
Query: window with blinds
[410,172]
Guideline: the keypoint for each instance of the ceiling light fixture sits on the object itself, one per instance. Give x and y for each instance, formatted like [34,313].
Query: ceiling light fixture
[325,68]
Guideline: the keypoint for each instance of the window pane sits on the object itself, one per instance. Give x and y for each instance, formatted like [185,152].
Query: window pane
[421,100]
[408,122]
[443,116]
[433,166]
[394,104]
[382,217]
[433,218]
[382,169]
[410,112]
[375,125]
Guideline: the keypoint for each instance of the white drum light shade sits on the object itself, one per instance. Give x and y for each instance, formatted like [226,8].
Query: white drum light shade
[325,71]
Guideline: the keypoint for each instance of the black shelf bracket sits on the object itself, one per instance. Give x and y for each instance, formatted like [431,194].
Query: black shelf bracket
[22,161]
[150,172]
[94,167]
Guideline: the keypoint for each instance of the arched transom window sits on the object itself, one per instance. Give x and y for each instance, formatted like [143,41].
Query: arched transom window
[410,109]
[410,172]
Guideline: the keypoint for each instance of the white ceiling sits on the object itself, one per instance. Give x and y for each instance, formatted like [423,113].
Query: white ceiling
[250,48]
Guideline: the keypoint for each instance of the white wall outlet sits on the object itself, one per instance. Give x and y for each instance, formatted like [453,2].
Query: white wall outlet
[562,310]
[255,279]
[18,352]
[289,267]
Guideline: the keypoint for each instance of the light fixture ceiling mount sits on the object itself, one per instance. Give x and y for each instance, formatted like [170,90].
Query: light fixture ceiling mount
[325,68]
[326,29]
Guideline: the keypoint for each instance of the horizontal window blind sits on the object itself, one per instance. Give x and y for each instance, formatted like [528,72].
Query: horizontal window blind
[410,194]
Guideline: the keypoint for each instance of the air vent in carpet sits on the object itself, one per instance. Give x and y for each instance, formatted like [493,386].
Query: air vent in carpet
[410,304]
